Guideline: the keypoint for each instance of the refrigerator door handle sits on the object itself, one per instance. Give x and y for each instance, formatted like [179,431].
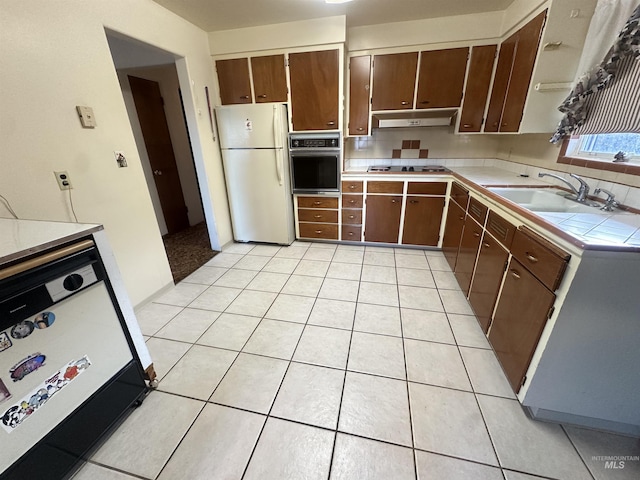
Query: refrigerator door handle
[279,164]
[277,142]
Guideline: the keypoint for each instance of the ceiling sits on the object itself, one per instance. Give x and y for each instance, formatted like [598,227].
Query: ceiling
[212,15]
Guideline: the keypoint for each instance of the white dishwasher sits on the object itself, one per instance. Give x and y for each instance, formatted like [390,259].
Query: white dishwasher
[68,368]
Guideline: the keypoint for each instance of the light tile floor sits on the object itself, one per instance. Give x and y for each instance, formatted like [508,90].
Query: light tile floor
[319,361]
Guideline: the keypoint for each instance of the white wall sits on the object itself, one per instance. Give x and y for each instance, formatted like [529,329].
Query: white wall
[54,56]
[167,78]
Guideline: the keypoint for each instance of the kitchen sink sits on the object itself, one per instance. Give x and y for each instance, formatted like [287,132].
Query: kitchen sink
[543,199]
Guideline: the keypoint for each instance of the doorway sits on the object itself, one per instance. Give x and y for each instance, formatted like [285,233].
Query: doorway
[152,95]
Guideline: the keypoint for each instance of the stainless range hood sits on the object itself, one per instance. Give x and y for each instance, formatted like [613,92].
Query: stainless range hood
[422,118]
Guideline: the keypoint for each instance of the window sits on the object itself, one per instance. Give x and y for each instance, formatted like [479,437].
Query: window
[605,146]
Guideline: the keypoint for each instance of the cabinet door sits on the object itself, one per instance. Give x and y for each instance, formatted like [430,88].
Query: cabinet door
[269,78]
[477,89]
[453,233]
[468,252]
[422,219]
[382,223]
[359,76]
[233,79]
[492,262]
[500,84]
[441,78]
[523,62]
[521,314]
[394,81]
[314,90]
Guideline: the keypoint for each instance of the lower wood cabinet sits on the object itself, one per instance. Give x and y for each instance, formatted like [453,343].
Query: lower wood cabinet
[318,217]
[522,312]
[382,223]
[453,228]
[327,231]
[422,219]
[467,253]
[490,267]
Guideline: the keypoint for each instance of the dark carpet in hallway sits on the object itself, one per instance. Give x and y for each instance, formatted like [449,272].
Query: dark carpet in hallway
[188,250]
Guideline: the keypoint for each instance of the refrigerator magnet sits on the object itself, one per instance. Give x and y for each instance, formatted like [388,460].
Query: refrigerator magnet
[22,329]
[4,392]
[26,366]
[44,320]
[5,341]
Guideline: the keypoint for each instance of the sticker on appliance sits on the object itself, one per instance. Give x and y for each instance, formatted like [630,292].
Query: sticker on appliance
[5,341]
[35,400]
[44,320]
[22,329]
[26,366]
[4,392]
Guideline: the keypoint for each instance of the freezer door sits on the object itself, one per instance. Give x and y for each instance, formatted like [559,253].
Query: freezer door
[259,195]
[252,126]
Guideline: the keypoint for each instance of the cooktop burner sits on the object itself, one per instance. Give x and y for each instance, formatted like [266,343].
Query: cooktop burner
[398,168]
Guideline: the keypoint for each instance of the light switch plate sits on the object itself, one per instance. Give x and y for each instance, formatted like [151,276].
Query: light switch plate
[86,116]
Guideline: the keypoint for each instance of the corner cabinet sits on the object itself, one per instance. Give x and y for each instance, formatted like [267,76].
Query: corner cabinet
[359,95]
[477,89]
[441,78]
[233,80]
[424,206]
[315,90]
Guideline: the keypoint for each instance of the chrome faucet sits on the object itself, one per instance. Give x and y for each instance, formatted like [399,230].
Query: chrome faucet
[581,194]
[611,201]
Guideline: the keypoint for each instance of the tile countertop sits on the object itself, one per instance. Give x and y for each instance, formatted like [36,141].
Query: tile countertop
[20,238]
[599,230]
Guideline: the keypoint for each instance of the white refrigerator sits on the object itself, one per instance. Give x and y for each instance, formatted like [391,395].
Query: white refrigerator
[253,140]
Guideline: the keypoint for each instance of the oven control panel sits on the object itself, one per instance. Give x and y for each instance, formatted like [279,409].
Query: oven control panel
[310,140]
[64,286]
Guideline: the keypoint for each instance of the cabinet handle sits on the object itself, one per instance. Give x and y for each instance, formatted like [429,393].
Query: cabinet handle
[393,200]
[317,216]
[360,129]
[352,201]
[424,102]
[316,203]
[318,231]
[352,216]
[404,103]
[262,96]
[514,274]
[476,234]
[531,258]
[485,245]
[331,123]
[461,218]
[505,124]
[244,97]
[352,186]
[350,234]
[467,125]
[414,201]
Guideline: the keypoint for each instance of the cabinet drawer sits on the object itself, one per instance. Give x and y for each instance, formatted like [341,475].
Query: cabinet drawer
[317,202]
[459,194]
[501,229]
[385,187]
[424,188]
[351,201]
[478,211]
[319,230]
[321,216]
[355,187]
[546,261]
[351,232]
[352,217]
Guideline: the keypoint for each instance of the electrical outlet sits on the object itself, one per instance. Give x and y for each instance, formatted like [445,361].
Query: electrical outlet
[63,180]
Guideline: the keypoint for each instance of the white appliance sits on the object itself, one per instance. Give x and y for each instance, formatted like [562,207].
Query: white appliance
[253,139]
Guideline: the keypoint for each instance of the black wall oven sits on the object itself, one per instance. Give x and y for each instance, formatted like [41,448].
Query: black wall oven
[316,162]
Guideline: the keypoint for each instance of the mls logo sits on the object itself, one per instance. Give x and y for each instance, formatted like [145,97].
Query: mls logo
[614,465]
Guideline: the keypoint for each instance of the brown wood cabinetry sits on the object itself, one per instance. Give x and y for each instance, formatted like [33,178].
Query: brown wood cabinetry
[459,194]
[321,216]
[422,219]
[352,201]
[318,217]
[317,202]
[314,90]
[441,78]
[326,231]
[351,187]
[477,88]
[385,187]
[233,80]
[359,94]
[467,253]
[269,78]
[454,225]
[394,80]
[352,211]
[513,75]
[382,222]
[490,267]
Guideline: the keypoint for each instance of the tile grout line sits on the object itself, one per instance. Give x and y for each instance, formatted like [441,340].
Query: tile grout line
[576,449]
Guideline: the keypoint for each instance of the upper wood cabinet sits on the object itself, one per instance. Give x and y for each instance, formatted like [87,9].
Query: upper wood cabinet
[513,75]
[359,94]
[394,80]
[314,90]
[441,78]
[477,88]
[233,79]
[269,78]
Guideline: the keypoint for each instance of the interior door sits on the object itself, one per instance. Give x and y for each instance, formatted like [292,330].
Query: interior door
[153,122]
